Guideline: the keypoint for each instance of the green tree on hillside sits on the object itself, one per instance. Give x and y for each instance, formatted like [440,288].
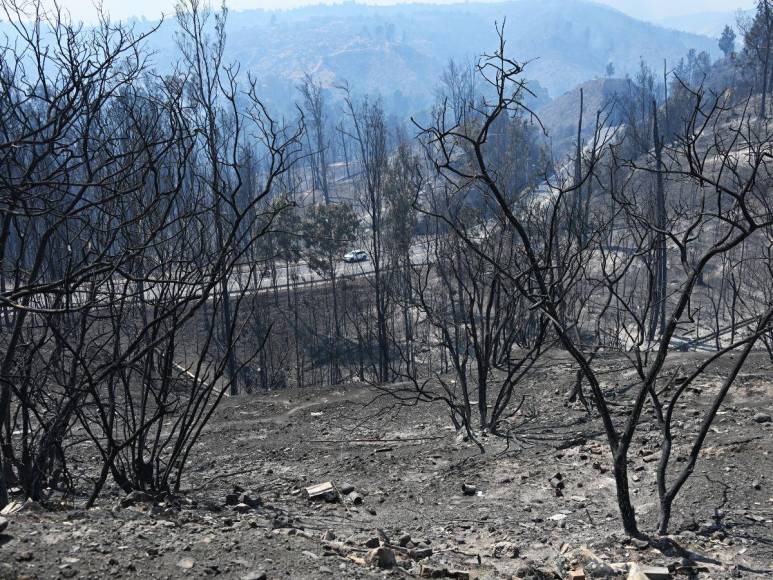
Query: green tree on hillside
[328,230]
[727,41]
[758,33]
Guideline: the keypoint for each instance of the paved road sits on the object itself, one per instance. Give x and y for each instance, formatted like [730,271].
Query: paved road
[301,273]
[245,280]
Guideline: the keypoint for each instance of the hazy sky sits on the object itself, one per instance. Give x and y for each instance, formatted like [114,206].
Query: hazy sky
[152,9]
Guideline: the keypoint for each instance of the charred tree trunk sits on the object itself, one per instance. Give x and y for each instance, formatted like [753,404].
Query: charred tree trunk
[660,281]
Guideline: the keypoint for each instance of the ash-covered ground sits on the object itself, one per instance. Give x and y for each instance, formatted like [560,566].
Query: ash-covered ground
[541,505]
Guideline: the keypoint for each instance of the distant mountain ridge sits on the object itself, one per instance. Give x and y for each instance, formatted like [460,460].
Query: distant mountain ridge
[399,51]
[705,23]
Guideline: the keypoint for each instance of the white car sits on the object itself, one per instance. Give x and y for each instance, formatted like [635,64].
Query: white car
[356,256]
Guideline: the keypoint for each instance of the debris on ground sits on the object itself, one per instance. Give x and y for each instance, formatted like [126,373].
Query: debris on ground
[323,491]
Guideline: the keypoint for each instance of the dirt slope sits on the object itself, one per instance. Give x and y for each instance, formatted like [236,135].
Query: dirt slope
[409,467]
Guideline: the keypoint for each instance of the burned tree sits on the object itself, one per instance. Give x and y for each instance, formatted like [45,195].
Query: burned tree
[109,267]
[724,204]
